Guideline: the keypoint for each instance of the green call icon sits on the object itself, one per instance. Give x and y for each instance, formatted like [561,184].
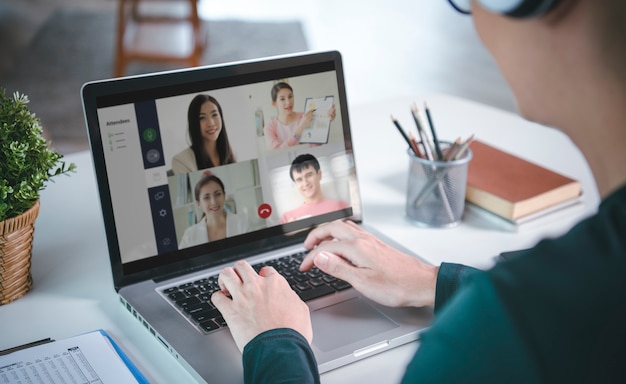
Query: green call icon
[149,135]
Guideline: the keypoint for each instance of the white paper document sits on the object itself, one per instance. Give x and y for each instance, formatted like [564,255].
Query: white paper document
[87,358]
[317,132]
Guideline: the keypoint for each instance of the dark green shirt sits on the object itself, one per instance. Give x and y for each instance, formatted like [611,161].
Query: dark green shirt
[279,356]
[555,313]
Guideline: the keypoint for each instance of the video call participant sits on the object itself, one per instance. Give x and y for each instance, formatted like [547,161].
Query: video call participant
[216,222]
[305,172]
[209,140]
[552,314]
[286,129]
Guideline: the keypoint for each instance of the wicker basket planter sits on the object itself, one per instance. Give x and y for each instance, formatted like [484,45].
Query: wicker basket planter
[16,244]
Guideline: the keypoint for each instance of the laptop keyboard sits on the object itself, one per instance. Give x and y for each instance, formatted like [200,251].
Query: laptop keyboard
[193,298]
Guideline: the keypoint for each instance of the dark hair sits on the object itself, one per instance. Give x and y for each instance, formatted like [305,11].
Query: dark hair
[303,162]
[224,151]
[277,87]
[206,179]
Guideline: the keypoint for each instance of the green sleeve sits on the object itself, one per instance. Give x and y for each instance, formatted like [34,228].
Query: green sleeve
[472,340]
[450,277]
[279,356]
[554,313]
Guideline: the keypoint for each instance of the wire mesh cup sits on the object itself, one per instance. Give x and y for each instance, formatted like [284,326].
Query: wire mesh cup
[436,190]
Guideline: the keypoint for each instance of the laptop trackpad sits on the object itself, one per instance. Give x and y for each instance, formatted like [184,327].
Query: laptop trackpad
[347,322]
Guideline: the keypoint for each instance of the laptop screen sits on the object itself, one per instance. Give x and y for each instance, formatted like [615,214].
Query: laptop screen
[201,166]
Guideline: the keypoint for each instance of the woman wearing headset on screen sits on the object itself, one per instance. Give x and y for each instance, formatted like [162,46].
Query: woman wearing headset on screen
[554,313]
[209,140]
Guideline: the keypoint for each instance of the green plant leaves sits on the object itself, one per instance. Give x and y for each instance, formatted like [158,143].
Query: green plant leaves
[26,160]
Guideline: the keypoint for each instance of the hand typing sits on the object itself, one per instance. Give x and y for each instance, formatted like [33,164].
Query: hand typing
[377,270]
[258,303]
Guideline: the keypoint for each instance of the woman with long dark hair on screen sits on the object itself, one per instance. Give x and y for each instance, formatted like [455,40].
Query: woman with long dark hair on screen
[209,140]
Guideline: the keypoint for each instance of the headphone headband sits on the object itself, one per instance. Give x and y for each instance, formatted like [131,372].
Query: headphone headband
[519,8]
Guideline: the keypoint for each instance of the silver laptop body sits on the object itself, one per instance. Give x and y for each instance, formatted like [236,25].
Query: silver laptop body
[137,125]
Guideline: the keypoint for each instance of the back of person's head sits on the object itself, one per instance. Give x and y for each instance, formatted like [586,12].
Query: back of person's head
[609,27]
[224,149]
[277,87]
[303,162]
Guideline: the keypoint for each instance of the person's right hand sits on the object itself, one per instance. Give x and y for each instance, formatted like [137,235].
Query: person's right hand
[305,121]
[377,270]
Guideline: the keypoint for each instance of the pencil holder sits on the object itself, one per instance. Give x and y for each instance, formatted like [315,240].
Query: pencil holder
[436,190]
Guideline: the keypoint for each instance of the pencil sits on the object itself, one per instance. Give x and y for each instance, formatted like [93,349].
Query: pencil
[453,150]
[420,131]
[406,138]
[432,130]
[463,148]
[415,145]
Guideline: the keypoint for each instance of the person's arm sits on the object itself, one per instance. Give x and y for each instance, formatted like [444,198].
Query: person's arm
[450,277]
[304,121]
[473,340]
[279,356]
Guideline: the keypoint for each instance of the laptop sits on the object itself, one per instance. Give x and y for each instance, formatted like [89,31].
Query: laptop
[140,136]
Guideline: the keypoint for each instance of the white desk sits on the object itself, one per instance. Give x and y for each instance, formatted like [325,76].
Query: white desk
[73,290]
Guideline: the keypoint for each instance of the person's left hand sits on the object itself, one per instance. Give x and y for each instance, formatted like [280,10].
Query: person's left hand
[258,303]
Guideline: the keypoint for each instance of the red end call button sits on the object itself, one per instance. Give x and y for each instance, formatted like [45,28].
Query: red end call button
[264,211]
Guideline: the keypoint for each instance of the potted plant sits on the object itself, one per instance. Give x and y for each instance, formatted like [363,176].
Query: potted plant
[26,163]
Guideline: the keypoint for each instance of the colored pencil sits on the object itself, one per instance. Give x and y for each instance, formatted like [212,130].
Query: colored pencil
[432,130]
[422,134]
[406,138]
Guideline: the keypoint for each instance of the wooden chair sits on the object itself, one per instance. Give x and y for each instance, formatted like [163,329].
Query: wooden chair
[161,31]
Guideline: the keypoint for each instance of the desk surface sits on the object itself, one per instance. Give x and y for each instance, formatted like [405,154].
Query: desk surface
[73,290]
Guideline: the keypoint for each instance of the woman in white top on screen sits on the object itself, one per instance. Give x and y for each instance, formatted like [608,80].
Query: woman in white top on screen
[216,223]
[286,129]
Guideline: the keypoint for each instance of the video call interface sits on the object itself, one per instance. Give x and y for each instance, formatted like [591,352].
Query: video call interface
[165,200]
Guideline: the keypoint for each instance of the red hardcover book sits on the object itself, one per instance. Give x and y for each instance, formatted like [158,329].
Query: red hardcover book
[512,187]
